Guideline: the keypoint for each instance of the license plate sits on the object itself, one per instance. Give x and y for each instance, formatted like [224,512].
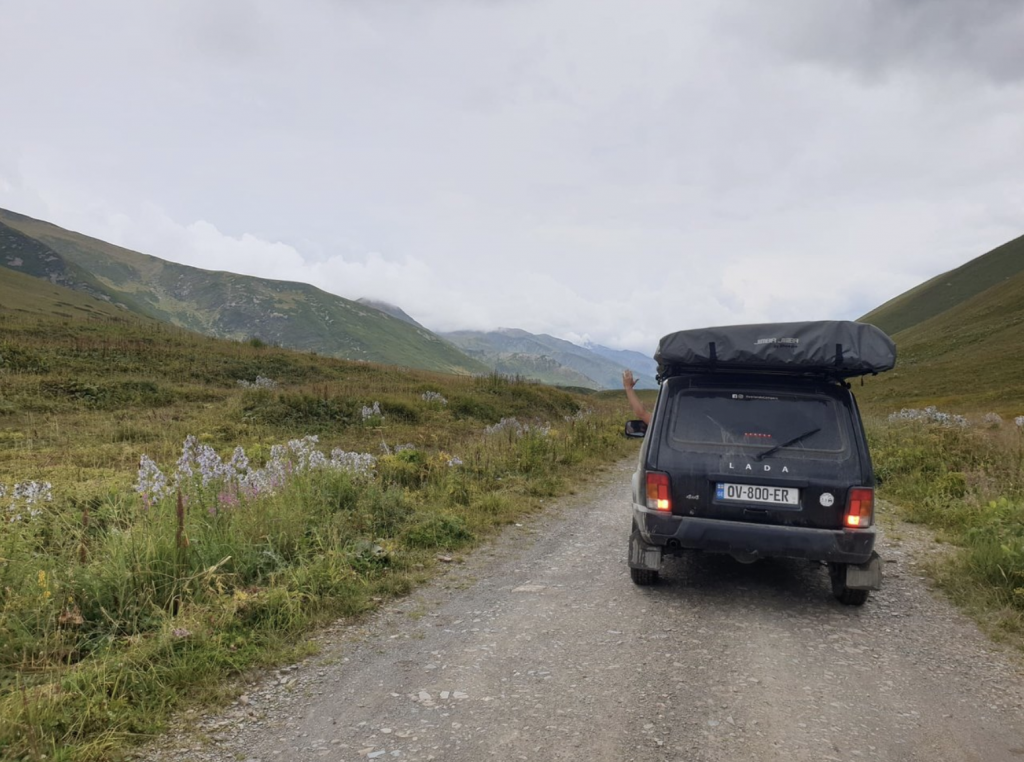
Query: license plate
[753,493]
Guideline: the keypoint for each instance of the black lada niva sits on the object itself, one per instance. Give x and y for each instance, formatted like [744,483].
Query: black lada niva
[756,449]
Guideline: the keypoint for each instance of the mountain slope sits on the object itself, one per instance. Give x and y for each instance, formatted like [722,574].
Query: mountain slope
[967,357]
[221,304]
[542,357]
[390,309]
[950,289]
[640,364]
[28,295]
[30,257]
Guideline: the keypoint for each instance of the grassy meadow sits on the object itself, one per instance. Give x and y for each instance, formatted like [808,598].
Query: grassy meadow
[955,460]
[963,477]
[177,509]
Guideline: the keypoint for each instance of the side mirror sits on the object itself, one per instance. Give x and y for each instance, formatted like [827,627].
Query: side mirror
[636,428]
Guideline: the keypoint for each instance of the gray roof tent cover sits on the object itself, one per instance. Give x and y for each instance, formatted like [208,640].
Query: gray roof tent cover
[839,348]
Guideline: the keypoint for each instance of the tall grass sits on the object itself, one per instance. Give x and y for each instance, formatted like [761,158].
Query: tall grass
[117,608]
[965,479]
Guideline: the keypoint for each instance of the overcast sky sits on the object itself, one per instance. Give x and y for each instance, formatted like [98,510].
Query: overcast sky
[584,168]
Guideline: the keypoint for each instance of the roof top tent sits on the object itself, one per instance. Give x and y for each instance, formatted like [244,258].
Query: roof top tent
[835,348]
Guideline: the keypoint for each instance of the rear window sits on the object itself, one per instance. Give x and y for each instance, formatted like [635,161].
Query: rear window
[755,420]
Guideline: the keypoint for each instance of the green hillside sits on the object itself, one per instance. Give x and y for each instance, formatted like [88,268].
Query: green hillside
[542,358]
[957,469]
[221,304]
[950,289]
[970,356]
[73,363]
[27,295]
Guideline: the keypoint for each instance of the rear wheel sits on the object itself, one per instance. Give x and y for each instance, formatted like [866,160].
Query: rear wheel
[852,597]
[643,577]
[845,595]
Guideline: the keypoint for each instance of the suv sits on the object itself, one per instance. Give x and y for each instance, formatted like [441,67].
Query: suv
[756,449]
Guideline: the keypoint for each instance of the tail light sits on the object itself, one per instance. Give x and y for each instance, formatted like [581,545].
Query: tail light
[659,496]
[860,508]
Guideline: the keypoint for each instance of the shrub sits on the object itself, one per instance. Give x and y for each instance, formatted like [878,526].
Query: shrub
[407,468]
[108,395]
[399,410]
[260,405]
[470,407]
[17,359]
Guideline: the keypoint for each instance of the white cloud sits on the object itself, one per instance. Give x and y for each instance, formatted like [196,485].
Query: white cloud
[573,167]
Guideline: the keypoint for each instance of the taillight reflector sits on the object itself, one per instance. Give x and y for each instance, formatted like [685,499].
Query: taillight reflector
[659,496]
[860,507]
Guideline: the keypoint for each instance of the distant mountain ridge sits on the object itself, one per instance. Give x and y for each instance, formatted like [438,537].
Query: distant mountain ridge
[640,364]
[548,359]
[222,304]
[297,315]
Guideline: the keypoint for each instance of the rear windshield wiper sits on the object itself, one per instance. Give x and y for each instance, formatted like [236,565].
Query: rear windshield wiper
[793,441]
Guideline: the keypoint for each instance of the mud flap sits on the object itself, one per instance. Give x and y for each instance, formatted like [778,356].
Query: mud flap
[866,576]
[642,555]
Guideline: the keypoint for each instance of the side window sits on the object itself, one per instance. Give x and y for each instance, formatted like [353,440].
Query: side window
[755,420]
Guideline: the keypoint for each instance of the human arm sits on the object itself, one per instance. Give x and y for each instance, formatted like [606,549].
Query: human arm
[628,382]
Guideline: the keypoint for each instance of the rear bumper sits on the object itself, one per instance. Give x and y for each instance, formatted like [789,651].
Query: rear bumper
[851,546]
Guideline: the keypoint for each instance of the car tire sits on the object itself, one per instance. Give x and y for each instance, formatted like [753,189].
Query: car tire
[845,595]
[852,597]
[643,577]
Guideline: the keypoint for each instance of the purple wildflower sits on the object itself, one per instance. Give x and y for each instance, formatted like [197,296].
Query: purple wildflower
[239,463]
[211,467]
[25,496]
[188,456]
[151,484]
[372,412]
[353,462]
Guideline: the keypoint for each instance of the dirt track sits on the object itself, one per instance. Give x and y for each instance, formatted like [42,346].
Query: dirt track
[540,648]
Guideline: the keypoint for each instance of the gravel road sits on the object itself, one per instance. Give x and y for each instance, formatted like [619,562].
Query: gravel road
[539,647]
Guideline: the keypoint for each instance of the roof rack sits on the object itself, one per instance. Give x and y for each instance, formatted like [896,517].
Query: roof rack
[835,349]
[686,370]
